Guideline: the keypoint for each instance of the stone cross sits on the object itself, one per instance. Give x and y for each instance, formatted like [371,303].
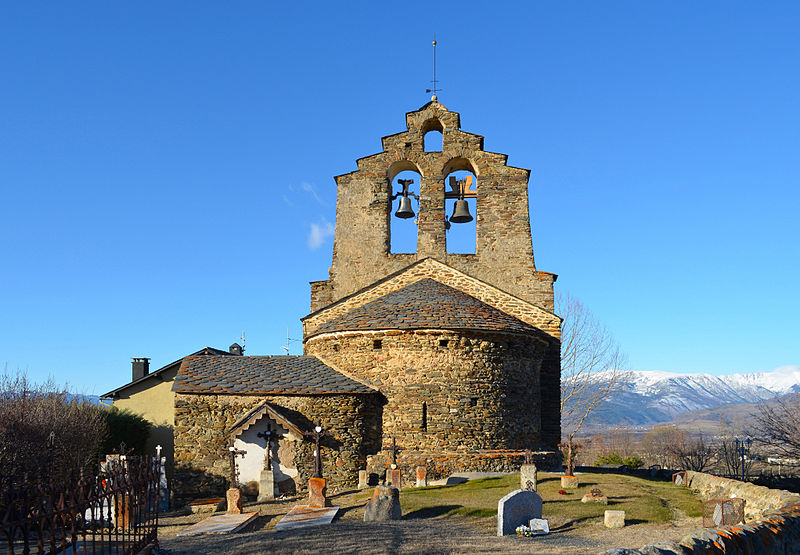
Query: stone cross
[233,452]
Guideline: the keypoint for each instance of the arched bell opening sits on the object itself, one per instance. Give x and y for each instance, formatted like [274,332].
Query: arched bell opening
[433,135]
[461,211]
[404,211]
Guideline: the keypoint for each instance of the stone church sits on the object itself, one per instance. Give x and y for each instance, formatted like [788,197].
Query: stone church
[452,357]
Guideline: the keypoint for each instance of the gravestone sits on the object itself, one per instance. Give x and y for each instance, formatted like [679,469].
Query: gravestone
[384,505]
[317,489]
[393,476]
[234,496]
[528,476]
[517,508]
[679,478]
[595,496]
[422,477]
[362,479]
[614,519]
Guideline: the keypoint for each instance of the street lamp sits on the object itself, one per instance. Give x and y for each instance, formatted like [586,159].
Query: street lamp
[742,449]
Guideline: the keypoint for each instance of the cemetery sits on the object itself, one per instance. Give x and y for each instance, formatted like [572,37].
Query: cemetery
[486,514]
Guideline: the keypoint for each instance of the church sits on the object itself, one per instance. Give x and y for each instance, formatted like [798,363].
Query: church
[452,358]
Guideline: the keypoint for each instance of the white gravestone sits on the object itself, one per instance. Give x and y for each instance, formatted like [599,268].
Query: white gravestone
[517,508]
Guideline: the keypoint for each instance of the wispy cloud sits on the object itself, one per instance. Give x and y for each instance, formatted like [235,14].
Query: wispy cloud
[309,188]
[318,233]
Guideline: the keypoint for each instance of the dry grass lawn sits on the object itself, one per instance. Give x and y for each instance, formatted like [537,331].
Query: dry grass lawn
[462,518]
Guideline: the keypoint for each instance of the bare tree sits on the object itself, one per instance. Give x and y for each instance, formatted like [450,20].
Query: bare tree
[729,452]
[777,425]
[690,452]
[591,363]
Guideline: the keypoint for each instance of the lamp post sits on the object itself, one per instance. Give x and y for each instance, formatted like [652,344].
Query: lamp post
[317,433]
[742,448]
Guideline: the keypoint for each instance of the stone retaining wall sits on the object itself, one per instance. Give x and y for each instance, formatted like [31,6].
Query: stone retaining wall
[442,465]
[772,517]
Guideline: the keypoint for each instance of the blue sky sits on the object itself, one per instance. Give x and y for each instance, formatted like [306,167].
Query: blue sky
[166,170]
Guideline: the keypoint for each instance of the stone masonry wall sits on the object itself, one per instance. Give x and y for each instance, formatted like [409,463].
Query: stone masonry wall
[480,391]
[442,465]
[202,423]
[504,250]
[772,522]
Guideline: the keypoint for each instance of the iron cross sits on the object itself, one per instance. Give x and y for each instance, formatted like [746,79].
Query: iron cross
[233,452]
[268,435]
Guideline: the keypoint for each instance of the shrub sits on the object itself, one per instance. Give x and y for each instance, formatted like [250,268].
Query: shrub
[125,427]
[615,458]
[44,436]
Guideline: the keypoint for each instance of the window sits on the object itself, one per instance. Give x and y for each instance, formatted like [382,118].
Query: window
[424,417]
[377,344]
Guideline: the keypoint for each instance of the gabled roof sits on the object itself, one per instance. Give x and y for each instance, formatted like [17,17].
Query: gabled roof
[426,304]
[205,351]
[274,412]
[262,375]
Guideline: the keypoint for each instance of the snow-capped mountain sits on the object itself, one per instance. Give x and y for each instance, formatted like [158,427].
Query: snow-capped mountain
[652,397]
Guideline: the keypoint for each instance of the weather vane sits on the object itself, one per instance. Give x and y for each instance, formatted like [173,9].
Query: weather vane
[434,89]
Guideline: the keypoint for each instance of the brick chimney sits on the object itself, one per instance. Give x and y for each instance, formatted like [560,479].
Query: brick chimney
[141,368]
[236,349]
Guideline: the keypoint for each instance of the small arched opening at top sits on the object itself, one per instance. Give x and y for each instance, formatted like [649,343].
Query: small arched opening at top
[403,211]
[461,203]
[432,135]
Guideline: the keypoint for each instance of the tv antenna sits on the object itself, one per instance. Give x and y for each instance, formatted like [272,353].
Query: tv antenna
[289,341]
[242,338]
[434,89]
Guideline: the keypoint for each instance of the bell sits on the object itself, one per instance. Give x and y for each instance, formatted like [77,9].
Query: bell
[405,210]
[461,213]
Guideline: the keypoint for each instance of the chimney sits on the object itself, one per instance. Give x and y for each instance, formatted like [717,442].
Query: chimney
[141,367]
[236,349]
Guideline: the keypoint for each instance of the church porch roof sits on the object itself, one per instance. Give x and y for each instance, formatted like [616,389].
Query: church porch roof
[263,375]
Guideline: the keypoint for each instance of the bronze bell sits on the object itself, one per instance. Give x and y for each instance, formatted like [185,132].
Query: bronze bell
[461,213]
[405,210]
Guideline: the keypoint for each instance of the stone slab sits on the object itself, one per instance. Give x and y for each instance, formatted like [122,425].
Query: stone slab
[209,505]
[517,508]
[614,519]
[219,524]
[302,516]
[422,477]
[363,479]
[393,477]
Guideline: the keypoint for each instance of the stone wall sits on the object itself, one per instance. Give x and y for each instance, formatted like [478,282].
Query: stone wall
[446,391]
[772,522]
[442,464]
[504,250]
[202,424]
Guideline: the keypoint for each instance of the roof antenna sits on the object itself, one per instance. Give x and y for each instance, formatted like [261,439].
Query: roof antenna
[243,341]
[434,89]
[288,345]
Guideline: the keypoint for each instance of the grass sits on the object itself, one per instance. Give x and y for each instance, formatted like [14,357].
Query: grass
[644,501]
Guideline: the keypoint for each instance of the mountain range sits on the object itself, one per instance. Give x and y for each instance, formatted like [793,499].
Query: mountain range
[648,398]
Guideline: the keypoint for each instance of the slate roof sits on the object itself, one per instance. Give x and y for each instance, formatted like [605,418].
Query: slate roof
[262,375]
[205,351]
[426,304]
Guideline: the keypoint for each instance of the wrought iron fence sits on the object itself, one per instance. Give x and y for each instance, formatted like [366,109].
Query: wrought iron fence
[115,511]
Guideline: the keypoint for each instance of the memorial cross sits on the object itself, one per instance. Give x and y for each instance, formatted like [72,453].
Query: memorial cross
[233,452]
[317,433]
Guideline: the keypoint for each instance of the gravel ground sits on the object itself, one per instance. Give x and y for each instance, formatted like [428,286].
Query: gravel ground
[444,534]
